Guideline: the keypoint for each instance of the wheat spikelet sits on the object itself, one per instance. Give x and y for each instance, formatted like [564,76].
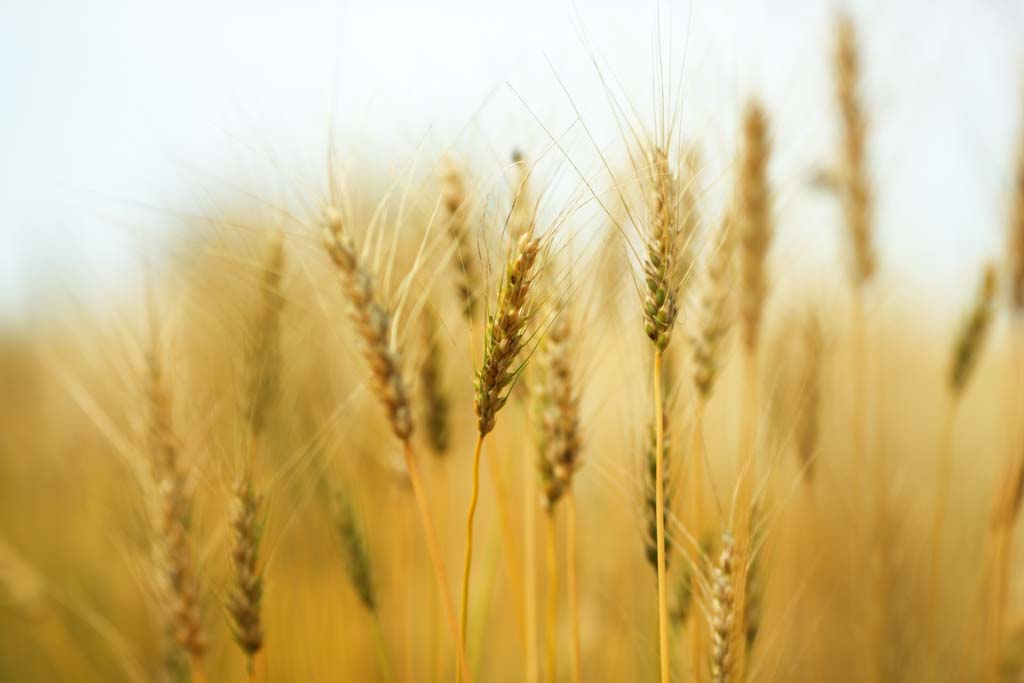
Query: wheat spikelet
[506,329]
[247,594]
[856,190]
[754,221]
[435,402]
[373,323]
[661,266]
[973,333]
[713,318]
[722,609]
[458,209]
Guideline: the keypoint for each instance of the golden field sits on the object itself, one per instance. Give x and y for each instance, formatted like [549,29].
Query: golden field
[258,464]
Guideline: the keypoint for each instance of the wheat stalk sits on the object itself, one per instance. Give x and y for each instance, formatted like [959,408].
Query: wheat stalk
[170,482]
[261,381]
[373,323]
[503,342]
[966,350]
[359,569]
[560,458]
[755,232]
[662,277]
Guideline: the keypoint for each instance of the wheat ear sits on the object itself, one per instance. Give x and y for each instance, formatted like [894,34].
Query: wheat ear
[170,482]
[458,209]
[723,613]
[436,405]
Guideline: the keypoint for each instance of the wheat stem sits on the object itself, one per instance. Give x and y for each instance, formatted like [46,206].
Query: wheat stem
[511,558]
[552,598]
[659,503]
[696,459]
[197,673]
[468,560]
[938,523]
[530,562]
[574,612]
[437,564]
[380,645]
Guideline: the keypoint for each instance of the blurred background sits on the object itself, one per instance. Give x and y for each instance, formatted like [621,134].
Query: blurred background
[115,115]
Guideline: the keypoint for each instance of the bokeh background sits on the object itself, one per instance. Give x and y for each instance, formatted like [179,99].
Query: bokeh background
[116,113]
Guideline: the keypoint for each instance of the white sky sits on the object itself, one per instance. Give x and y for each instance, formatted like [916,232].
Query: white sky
[106,106]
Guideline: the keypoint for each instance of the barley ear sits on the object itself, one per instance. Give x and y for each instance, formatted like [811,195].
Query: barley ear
[754,221]
[247,593]
[662,273]
[853,176]
[373,324]
[506,331]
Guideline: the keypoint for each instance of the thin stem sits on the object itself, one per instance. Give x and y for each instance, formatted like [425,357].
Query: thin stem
[858,331]
[744,507]
[468,561]
[696,460]
[659,512]
[938,524]
[196,670]
[530,562]
[430,536]
[859,378]
[511,558]
[570,560]
[1005,513]
[383,663]
[552,601]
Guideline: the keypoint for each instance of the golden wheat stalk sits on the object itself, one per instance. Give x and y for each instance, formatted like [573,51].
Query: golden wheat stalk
[755,232]
[505,334]
[560,458]
[373,323]
[966,351]
[662,278]
[1007,501]
[170,483]
[261,380]
[359,570]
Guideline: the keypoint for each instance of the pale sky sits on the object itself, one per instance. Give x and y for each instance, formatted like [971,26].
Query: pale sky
[111,106]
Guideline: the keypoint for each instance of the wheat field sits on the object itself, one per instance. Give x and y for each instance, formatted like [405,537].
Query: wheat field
[519,417]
